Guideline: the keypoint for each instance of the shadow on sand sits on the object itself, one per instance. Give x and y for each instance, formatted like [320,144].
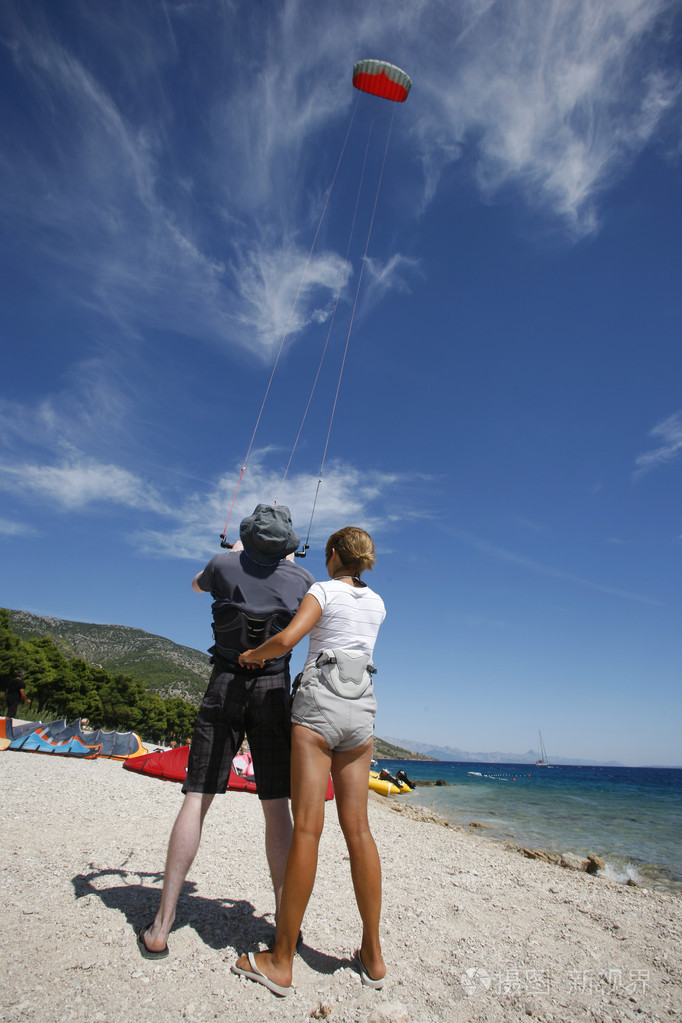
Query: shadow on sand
[220,923]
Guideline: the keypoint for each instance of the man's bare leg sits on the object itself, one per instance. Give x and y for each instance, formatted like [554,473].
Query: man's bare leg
[182,848]
[278,831]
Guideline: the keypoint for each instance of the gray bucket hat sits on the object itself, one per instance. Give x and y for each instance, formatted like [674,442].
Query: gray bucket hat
[268,535]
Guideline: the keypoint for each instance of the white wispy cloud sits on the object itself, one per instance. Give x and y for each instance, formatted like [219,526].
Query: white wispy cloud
[559,96]
[9,527]
[347,496]
[89,177]
[284,290]
[382,277]
[539,568]
[478,621]
[80,483]
[93,415]
[107,211]
[188,527]
[668,433]
[532,524]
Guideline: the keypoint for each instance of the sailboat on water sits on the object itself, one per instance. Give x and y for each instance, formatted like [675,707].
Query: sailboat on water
[542,760]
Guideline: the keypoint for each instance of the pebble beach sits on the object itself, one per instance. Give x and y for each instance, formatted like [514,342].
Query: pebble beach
[472,930]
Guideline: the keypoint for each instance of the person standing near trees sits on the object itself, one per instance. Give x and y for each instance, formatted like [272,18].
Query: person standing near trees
[256,593]
[16,693]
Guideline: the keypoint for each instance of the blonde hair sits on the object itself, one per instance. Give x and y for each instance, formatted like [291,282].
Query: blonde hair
[354,547]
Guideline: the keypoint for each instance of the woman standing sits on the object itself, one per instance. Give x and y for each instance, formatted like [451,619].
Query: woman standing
[332,729]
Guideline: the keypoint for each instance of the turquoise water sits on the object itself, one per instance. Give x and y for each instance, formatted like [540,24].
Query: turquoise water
[630,816]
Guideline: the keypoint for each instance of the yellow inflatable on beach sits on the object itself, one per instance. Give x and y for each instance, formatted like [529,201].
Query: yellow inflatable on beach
[385,787]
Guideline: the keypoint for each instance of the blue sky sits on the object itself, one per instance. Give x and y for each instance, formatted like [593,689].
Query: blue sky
[509,420]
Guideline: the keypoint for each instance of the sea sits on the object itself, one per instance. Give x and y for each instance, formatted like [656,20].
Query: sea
[629,816]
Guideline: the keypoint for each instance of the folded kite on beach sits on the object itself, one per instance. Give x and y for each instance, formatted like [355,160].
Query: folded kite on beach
[54,737]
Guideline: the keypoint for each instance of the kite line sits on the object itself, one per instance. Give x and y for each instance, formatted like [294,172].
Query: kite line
[389,82]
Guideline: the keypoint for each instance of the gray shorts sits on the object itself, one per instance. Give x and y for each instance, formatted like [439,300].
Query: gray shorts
[343,722]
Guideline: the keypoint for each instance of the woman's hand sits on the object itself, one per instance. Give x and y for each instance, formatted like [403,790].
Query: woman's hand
[247,660]
[280,644]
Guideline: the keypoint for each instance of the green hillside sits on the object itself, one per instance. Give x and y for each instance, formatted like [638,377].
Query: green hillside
[165,668]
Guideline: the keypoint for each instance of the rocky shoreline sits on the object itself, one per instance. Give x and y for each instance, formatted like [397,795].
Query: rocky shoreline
[591,864]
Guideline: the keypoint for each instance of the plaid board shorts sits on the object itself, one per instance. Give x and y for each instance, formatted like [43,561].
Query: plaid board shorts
[239,703]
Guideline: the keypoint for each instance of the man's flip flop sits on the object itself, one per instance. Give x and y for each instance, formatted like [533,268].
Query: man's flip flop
[147,952]
[367,981]
[255,974]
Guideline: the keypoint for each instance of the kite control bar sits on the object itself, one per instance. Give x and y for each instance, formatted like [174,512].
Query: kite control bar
[226,545]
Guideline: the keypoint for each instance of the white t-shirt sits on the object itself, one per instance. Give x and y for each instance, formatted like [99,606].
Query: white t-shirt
[350,619]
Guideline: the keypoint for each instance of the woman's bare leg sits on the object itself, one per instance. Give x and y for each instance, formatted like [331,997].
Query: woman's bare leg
[310,763]
[350,772]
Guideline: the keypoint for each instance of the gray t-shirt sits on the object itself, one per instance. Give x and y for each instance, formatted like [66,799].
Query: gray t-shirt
[248,597]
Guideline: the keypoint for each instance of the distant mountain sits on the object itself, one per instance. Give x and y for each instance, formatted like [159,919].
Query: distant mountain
[384,750]
[463,756]
[165,667]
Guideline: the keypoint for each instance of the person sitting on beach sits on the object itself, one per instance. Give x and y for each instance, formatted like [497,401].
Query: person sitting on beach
[332,729]
[255,589]
[402,779]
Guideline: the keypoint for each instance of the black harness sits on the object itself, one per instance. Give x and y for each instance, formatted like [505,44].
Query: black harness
[235,630]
